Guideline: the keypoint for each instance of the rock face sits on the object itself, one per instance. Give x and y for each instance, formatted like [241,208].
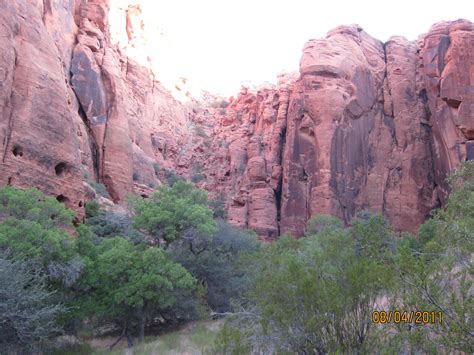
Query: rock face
[364,125]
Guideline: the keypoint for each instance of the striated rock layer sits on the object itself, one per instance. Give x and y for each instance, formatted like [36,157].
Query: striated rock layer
[364,125]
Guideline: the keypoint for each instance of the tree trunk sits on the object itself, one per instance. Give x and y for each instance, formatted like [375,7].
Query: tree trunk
[129,340]
[142,324]
[120,337]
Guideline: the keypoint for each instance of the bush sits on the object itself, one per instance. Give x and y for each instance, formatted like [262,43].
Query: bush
[92,209]
[172,178]
[218,206]
[107,224]
[316,293]
[156,168]
[197,178]
[100,189]
[28,316]
[218,262]
[436,272]
[136,176]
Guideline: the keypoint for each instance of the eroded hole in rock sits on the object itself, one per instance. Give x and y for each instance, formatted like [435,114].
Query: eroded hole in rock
[144,196]
[80,204]
[61,169]
[63,199]
[17,151]
[452,102]
[9,181]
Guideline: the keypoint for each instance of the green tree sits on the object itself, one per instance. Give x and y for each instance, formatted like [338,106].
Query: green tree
[130,283]
[221,263]
[33,205]
[108,224]
[172,210]
[32,228]
[27,311]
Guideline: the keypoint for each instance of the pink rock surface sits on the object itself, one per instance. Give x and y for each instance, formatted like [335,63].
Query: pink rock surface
[363,125]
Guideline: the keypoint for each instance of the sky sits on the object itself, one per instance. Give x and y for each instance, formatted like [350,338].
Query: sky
[220,45]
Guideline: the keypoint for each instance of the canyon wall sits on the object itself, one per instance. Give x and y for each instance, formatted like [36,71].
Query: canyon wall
[364,125]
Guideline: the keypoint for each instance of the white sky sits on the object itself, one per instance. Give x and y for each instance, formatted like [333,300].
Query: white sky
[218,45]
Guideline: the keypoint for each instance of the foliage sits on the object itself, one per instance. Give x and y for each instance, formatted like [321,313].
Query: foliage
[32,205]
[221,263]
[31,230]
[148,281]
[172,210]
[197,178]
[156,168]
[316,294]
[218,206]
[27,314]
[171,177]
[100,188]
[136,176]
[92,209]
[108,224]
[437,270]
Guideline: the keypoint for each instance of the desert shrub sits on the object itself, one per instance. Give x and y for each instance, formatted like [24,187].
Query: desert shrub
[197,178]
[108,224]
[28,314]
[219,263]
[92,209]
[436,272]
[156,168]
[100,189]
[171,177]
[316,294]
[136,176]
[218,206]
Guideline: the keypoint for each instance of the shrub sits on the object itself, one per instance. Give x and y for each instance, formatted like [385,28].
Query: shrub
[92,209]
[171,177]
[28,316]
[436,272]
[100,189]
[218,262]
[315,294]
[136,176]
[156,168]
[218,206]
[197,178]
[106,224]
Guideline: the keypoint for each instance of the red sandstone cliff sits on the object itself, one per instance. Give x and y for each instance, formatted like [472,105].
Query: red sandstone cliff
[365,125]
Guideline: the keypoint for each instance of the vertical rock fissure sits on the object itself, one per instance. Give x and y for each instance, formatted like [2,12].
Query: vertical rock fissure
[278,191]
[93,146]
[111,105]
[8,133]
